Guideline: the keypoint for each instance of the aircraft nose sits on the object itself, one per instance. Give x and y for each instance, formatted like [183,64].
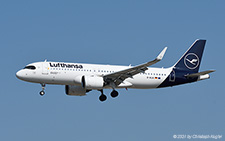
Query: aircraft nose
[19,74]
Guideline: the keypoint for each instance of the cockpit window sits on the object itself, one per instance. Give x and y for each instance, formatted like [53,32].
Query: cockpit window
[30,67]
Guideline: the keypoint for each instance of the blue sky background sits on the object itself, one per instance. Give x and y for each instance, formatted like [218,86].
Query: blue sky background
[110,32]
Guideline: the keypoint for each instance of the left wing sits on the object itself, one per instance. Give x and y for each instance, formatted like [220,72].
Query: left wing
[120,76]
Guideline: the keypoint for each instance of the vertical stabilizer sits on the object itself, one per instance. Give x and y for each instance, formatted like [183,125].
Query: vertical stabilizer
[191,59]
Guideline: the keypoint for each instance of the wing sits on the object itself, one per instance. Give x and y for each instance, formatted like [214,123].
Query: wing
[119,76]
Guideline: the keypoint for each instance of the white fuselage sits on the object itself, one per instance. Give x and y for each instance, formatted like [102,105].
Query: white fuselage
[66,73]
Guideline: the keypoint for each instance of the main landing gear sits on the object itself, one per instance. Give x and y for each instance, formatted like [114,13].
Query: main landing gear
[103,97]
[114,93]
[43,88]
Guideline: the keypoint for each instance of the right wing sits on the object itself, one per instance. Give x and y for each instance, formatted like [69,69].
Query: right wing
[119,76]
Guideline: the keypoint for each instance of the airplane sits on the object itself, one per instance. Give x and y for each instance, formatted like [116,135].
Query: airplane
[80,78]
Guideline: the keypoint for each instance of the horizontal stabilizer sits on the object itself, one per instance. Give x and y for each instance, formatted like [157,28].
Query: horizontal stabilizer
[200,73]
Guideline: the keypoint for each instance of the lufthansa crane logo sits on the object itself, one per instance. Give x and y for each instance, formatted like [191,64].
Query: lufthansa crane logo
[191,61]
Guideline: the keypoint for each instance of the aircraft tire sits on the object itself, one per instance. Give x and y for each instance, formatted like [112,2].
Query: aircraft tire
[114,93]
[42,93]
[102,97]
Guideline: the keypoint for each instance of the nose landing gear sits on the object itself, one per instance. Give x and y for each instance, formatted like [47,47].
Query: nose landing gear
[42,93]
[43,88]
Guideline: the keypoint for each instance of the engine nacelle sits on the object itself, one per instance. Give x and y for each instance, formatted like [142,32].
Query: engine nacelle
[89,82]
[78,79]
[75,90]
[92,82]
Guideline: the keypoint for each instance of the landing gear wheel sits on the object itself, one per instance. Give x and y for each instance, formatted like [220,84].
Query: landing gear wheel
[114,93]
[43,88]
[42,93]
[102,97]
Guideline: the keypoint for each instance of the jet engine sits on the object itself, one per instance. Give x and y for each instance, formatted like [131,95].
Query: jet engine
[89,82]
[92,82]
[75,90]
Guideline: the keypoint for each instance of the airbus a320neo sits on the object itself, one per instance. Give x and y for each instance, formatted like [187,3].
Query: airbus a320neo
[80,78]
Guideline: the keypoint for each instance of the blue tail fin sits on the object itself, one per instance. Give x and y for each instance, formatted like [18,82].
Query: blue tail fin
[191,59]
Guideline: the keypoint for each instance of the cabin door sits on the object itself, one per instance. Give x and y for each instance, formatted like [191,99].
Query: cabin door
[172,76]
[45,68]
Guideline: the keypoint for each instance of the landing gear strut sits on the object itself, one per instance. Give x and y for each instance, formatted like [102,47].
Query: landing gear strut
[102,97]
[114,93]
[43,88]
